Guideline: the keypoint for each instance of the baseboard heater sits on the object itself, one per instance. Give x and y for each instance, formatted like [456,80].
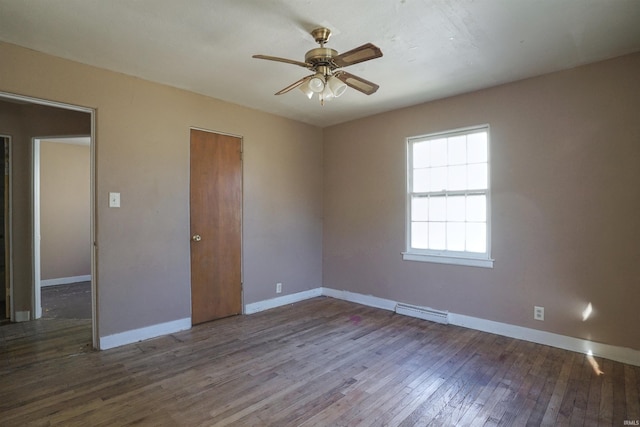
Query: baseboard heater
[424,313]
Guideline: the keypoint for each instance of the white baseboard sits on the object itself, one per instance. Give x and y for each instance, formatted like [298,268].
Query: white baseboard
[65,280]
[611,352]
[618,354]
[256,307]
[23,316]
[135,335]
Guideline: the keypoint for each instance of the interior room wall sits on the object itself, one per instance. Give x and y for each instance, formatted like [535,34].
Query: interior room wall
[142,151]
[65,210]
[24,122]
[564,157]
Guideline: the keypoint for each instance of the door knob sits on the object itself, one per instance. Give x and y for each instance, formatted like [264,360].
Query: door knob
[196,238]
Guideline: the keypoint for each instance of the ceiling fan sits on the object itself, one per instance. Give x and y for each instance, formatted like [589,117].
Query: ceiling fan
[328,79]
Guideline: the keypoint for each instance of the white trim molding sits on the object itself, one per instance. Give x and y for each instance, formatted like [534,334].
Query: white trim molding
[23,316]
[259,306]
[611,352]
[619,354]
[65,280]
[445,259]
[141,334]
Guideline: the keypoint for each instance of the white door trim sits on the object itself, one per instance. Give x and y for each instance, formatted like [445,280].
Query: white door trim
[36,304]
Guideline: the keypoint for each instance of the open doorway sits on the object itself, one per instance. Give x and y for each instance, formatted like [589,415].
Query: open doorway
[62,230]
[25,119]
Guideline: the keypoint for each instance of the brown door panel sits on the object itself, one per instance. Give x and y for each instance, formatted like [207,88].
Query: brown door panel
[216,226]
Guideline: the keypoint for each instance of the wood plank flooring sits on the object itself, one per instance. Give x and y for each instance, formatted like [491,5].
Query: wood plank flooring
[321,362]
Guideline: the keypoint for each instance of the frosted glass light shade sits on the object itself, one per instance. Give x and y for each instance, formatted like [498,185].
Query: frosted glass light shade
[306,89]
[327,94]
[316,83]
[336,85]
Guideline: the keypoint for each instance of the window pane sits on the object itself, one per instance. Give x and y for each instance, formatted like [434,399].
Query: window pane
[477,176]
[457,150]
[477,208]
[477,147]
[419,208]
[437,235]
[421,154]
[438,152]
[437,208]
[457,179]
[456,208]
[419,233]
[437,179]
[476,237]
[455,236]
[420,180]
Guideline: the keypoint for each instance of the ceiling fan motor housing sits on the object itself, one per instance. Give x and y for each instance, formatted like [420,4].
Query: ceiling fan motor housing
[321,56]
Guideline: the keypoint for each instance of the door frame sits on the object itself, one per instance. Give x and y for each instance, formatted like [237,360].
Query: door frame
[8,226]
[242,305]
[92,155]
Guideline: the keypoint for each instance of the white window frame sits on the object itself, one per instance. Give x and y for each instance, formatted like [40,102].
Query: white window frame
[473,259]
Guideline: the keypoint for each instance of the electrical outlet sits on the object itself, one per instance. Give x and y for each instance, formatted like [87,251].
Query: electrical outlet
[538,313]
[278,288]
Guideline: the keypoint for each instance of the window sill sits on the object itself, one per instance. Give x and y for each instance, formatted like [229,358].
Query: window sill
[447,259]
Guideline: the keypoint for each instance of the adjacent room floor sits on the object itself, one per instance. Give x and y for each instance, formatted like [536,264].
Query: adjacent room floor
[71,301]
[321,362]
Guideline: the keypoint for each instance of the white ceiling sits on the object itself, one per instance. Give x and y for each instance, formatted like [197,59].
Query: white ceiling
[432,48]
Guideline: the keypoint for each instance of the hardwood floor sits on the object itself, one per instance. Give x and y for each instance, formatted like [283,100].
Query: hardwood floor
[321,362]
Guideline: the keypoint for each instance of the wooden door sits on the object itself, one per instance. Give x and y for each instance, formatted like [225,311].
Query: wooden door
[216,220]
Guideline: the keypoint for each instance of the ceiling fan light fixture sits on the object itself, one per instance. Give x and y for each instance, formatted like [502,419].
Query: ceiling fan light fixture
[337,86]
[328,80]
[327,94]
[316,83]
[306,89]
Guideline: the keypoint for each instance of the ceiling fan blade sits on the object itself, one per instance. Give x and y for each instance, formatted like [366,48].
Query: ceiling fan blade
[294,85]
[360,54]
[358,83]
[287,61]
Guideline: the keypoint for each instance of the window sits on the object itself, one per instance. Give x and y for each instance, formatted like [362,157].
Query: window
[448,199]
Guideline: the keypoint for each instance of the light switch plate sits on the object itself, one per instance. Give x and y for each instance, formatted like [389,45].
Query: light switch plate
[114,200]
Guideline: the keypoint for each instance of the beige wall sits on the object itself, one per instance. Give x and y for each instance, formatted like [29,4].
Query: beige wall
[24,122]
[564,153]
[565,170]
[65,201]
[142,151]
